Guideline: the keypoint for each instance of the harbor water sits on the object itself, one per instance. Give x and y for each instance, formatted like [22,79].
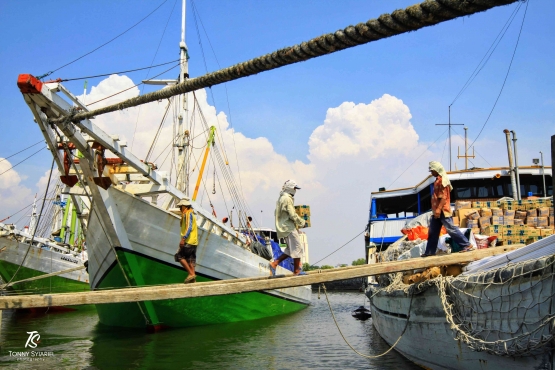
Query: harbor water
[308,339]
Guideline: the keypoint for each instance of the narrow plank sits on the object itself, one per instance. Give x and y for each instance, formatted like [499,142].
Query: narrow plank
[223,287]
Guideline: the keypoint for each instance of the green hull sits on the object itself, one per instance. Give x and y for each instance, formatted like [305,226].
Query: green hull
[53,284]
[181,312]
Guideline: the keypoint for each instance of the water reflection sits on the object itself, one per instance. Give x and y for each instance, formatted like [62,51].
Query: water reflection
[305,340]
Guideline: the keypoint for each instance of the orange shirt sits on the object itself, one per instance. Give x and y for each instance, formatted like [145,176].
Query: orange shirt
[441,192]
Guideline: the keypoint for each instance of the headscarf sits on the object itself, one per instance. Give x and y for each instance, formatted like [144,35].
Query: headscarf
[436,166]
[289,187]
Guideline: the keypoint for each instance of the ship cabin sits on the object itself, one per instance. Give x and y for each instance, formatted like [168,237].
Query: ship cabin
[391,209]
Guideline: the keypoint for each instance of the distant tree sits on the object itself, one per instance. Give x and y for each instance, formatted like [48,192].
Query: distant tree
[342,265]
[307,267]
[326,267]
[360,261]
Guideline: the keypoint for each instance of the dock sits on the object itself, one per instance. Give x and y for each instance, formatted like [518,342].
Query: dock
[243,285]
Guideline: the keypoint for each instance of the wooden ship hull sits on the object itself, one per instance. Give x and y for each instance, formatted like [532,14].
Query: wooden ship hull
[153,235]
[40,262]
[429,341]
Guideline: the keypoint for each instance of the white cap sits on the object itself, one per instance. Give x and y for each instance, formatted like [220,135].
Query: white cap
[290,184]
[184,202]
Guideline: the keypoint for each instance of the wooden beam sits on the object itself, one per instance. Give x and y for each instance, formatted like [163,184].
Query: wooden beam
[223,287]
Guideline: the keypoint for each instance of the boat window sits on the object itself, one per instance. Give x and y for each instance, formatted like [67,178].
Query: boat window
[482,192]
[463,192]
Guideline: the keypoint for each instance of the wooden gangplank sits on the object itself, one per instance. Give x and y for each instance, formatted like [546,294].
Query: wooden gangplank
[233,286]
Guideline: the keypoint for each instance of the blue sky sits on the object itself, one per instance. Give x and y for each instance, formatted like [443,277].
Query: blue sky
[424,69]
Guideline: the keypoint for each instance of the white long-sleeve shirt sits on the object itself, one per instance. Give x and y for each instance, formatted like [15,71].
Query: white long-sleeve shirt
[286,218]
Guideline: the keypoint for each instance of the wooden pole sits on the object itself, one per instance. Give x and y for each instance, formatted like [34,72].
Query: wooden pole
[223,287]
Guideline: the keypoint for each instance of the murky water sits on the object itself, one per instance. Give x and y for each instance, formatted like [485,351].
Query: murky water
[308,339]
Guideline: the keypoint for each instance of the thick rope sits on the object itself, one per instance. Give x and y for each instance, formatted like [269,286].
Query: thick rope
[427,13]
[345,339]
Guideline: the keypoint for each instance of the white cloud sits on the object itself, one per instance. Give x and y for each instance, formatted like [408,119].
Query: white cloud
[13,195]
[357,149]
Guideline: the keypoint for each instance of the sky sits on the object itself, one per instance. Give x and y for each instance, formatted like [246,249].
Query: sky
[342,125]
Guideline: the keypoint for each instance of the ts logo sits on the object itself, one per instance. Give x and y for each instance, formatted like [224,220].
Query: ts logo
[33,340]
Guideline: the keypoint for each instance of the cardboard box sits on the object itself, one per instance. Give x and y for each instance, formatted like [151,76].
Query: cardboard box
[532,212]
[461,214]
[456,221]
[471,224]
[520,215]
[518,221]
[551,211]
[533,232]
[496,212]
[543,212]
[551,221]
[484,221]
[485,212]
[462,204]
[474,215]
[509,212]
[493,230]
[302,210]
[546,232]
[542,222]
[476,230]
[497,220]
[532,221]
[484,204]
[508,220]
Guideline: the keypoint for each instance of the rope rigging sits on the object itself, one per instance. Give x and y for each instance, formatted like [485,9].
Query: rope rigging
[18,163]
[22,150]
[506,76]
[106,43]
[400,21]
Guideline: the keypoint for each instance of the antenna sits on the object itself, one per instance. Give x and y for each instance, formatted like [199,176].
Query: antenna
[449,124]
[465,156]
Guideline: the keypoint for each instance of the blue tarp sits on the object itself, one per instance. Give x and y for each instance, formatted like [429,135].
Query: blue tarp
[276,251]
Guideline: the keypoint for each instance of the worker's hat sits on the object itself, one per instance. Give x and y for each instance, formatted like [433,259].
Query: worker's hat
[184,202]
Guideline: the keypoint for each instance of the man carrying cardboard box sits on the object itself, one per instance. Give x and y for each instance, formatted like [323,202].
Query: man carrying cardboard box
[441,212]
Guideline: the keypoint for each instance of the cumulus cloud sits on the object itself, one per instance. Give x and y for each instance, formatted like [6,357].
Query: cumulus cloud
[358,148]
[13,195]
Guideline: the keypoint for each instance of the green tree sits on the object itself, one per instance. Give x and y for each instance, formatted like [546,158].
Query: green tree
[307,267]
[360,261]
[326,267]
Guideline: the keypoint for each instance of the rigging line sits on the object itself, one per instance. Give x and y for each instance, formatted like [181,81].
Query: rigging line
[117,73]
[495,43]
[356,236]
[15,165]
[506,76]
[444,146]
[410,165]
[106,43]
[38,142]
[159,129]
[153,58]
[139,84]
[38,222]
[227,99]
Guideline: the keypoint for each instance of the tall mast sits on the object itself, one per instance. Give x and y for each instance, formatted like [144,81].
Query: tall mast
[183,133]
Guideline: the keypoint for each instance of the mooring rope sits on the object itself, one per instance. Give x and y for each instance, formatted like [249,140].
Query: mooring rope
[345,339]
[427,13]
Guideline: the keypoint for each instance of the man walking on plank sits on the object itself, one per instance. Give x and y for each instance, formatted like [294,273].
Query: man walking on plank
[287,225]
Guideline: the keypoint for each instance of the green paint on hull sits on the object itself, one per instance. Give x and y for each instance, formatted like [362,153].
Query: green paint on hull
[53,284]
[187,311]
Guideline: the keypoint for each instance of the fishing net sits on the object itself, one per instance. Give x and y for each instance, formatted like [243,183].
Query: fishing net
[506,312]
